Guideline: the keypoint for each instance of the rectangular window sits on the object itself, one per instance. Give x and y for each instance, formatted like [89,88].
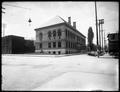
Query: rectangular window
[54,52]
[66,32]
[54,44]
[49,52]
[66,44]
[59,52]
[40,36]
[69,44]
[49,45]
[40,45]
[113,37]
[66,52]
[59,44]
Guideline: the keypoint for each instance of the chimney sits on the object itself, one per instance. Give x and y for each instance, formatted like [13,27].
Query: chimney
[74,25]
[69,20]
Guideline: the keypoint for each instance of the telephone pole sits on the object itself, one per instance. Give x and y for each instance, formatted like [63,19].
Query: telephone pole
[3,25]
[96,23]
[102,22]
[99,34]
[104,40]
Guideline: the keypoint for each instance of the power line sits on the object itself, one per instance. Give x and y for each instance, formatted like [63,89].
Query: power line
[19,7]
[16,6]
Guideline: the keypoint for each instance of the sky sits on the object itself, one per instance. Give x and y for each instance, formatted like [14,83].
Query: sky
[17,14]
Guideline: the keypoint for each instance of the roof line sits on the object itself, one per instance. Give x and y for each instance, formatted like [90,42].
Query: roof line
[48,26]
[62,19]
[63,23]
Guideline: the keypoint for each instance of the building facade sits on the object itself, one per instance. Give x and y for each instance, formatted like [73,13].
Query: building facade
[12,44]
[29,46]
[59,37]
[16,45]
[113,43]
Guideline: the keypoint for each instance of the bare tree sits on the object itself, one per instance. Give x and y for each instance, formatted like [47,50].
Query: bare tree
[90,38]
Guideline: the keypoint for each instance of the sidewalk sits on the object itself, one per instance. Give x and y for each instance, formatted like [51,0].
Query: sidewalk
[76,72]
[80,81]
[85,81]
[106,56]
[41,55]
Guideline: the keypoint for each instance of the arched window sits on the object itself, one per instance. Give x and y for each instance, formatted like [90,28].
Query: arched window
[40,36]
[54,33]
[49,34]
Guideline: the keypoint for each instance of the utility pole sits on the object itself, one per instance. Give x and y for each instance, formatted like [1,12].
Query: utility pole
[104,40]
[99,33]
[96,23]
[3,25]
[102,22]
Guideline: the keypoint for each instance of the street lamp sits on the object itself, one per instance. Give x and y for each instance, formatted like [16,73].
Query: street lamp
[17,7]
[29,21]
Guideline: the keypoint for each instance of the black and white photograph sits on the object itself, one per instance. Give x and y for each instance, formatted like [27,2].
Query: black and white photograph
[60,46]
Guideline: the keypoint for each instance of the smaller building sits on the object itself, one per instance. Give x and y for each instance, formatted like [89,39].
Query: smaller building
[113,43]
[16,45]
[29,46]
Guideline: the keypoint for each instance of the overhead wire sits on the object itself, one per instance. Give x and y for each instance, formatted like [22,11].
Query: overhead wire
[16,6]
[22,8]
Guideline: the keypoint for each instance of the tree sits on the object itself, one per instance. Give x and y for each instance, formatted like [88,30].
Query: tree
[90,38]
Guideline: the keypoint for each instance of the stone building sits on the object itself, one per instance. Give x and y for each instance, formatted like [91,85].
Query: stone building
[59,37]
